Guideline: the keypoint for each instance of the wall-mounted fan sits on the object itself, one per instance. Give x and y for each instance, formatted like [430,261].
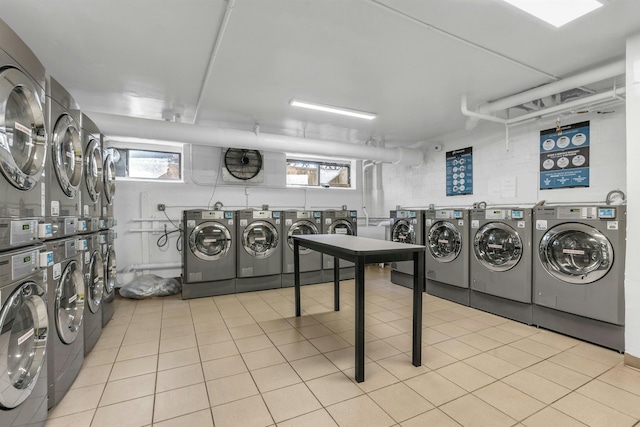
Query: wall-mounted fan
[243,165]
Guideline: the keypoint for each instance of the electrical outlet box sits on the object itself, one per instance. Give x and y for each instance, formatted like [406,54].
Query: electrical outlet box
[161,207]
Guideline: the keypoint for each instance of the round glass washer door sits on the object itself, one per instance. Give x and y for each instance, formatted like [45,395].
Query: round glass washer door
[444,241]
[497,246]
[95,282]
[301,228]
[110,273]
[109,178]
[93,170]
[260,239]
[23,137]
[66,147]
[69,302]
[576,253]
[341,226]
[24,326]
[403,232]
[210,241]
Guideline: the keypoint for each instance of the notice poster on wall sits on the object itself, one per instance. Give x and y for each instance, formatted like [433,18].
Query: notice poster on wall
[564,156]
[460,171]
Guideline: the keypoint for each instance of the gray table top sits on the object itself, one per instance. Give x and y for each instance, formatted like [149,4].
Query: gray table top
[357,245]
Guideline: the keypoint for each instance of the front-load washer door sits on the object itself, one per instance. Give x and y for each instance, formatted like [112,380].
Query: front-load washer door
[110,273]
[93,170]
[341,226]
[109,178]
[301,228]
[69,302]
[66,147]
[210,241]
[260,239]
[95,282]
[576,253]
[497,246]
[403,231]
[23,340]
[23,138]
[445,241]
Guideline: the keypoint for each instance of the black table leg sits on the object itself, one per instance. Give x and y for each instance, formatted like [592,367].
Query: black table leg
[336,284]
[359,320]
[418,273]
[296,273]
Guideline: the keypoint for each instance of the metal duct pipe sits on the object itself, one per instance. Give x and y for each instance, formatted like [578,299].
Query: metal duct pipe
[122,126]
[605,72]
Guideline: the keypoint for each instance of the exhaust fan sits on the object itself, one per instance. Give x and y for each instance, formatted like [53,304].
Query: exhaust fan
[242,165]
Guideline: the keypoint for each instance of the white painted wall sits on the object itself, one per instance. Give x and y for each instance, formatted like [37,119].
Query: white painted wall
[632,276]
[139,200]
[495,167]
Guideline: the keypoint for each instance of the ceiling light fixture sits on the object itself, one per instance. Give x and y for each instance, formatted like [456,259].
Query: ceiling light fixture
[556,12]
[331,109]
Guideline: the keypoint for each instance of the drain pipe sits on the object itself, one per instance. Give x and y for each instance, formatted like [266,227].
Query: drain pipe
[368,164]
[120,126]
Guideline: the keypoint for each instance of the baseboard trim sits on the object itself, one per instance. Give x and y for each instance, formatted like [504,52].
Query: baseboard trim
[632,361]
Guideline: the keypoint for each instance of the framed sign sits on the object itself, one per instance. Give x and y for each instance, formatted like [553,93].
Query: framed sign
[460,171]
[564,156]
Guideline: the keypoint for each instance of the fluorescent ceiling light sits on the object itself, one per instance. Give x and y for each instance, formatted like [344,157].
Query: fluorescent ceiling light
[556,12]
[335,110]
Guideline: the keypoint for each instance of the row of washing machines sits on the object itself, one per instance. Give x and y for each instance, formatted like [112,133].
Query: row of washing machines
[56,210]
[557,267]
[238,251]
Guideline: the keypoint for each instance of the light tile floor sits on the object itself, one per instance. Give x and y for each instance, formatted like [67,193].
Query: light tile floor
[246,360]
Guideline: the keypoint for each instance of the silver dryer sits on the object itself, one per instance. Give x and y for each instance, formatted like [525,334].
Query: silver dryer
[300,223]
[578,273]
[501,262]
[259,263]
[406,227]
[338,222]
[447,255]
[208,253]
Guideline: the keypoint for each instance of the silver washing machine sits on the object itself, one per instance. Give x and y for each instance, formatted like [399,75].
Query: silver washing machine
[578,272]
[259,262]
[93,289]
[65,289]
[298,223]
[208,253]
[107,219]
[107,239]
[501,262]
[64,169]
[406,227]
[338,222]
[23,142]
[93,175]
[447,255]
[24,328]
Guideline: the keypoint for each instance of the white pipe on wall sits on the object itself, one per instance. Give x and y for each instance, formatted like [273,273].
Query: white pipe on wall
[122,126]
[605,72]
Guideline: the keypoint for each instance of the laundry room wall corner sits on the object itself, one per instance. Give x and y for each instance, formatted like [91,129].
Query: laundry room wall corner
[632,274]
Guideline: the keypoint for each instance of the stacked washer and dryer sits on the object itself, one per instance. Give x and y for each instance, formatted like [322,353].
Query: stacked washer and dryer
[89,227]
[24,322]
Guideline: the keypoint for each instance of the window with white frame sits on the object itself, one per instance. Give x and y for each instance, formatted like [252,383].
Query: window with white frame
[147,164]
[313,173]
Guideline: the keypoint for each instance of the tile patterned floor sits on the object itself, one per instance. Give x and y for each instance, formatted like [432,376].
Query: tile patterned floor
[246,360]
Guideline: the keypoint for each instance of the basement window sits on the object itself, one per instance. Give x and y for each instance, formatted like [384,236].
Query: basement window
[147,164]
[311,173]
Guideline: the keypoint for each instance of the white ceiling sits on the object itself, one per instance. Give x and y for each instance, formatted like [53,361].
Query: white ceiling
[409,61]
